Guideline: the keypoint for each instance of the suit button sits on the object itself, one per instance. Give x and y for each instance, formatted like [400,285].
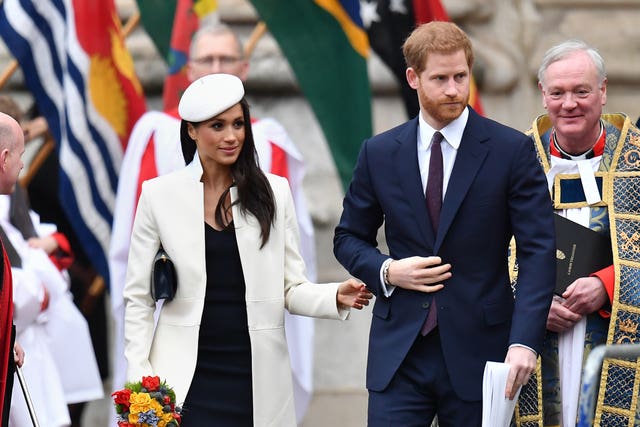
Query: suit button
[425,305]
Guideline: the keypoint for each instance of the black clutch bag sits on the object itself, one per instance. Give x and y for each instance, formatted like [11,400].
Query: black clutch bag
[164,280]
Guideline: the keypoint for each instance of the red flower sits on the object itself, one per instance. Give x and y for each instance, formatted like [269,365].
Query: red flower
[121,397]
[177,417]
[167,400]
[125,424]
[151,383]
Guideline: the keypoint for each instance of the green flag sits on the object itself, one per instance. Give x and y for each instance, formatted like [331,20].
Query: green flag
[157,19]
[326,46]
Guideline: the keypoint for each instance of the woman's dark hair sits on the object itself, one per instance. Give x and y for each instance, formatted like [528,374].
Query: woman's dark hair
[254,192]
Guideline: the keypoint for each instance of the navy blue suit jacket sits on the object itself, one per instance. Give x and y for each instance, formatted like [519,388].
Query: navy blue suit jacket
[497,190]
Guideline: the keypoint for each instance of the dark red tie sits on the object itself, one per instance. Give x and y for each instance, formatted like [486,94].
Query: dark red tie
[434,182]
[434,205]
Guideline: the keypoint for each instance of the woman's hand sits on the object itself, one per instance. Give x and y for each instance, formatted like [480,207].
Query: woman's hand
[354,294]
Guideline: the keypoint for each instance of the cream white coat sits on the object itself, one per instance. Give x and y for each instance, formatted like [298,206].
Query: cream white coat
[171,211]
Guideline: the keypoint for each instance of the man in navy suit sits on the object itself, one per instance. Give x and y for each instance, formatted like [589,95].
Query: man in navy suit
[447,264]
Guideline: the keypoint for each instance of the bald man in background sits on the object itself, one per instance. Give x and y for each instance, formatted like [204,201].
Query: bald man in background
[11,151]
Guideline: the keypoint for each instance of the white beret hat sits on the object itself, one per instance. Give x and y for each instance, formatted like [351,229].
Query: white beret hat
[209,96]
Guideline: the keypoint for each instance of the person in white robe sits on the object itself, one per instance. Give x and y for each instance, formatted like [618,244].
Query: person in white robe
[61,367]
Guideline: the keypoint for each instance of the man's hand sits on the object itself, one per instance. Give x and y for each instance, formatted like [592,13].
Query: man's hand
[584,296]
[560,318]
[18,354]
[423,274]
[522,363]
[47,243]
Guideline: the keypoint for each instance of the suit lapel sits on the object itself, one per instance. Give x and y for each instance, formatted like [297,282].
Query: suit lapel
[406,166]
[469,159]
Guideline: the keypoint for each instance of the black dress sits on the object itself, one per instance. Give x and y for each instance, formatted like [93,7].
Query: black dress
[221,393]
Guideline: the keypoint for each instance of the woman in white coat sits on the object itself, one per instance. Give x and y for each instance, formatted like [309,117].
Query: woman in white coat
[232,235]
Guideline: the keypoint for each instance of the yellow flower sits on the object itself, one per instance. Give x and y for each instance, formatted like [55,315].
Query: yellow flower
[157,407]
[133,418]
[140,402]
[166,417]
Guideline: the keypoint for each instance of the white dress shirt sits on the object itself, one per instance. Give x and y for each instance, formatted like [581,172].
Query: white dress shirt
[452,134]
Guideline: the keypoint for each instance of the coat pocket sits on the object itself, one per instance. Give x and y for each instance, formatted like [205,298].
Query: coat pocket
[181,312]
[496,313]
[265,314]
[381,308]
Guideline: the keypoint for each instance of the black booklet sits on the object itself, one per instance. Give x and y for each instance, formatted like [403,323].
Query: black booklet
[580,252]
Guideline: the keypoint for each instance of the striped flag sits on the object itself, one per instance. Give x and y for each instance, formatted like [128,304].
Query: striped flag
[388,24]
[82,77]
[326,46]
[184,17]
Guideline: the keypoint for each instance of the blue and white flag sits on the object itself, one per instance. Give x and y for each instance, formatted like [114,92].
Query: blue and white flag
[76,65]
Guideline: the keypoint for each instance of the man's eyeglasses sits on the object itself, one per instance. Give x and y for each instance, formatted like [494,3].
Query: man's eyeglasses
[223,60]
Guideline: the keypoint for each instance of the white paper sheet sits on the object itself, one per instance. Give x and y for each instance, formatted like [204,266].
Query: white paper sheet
[497,410]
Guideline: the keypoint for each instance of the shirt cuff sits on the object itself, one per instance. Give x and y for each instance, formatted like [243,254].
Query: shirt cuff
[524,346]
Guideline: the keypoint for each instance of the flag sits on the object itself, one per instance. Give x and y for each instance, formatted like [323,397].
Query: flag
[82,78]
[184,17]
[326,46]
[388,24]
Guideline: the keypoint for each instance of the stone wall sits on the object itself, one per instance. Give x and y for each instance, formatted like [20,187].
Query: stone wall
[509,37]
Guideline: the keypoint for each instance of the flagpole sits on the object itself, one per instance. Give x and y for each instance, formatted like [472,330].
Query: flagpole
[8,72]
[256,34]
[128,27]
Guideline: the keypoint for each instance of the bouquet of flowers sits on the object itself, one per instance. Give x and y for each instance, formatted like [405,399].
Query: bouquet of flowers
[147,403]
